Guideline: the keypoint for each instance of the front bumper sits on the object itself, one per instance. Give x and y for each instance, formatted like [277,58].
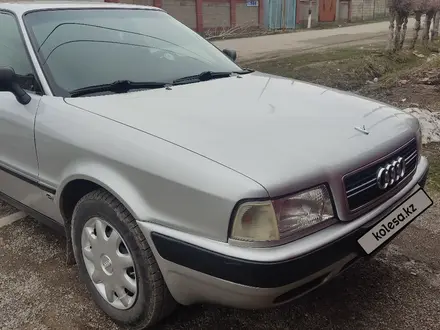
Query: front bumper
[201,270]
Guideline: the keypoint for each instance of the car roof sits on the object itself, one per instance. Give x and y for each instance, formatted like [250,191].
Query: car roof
[21,7]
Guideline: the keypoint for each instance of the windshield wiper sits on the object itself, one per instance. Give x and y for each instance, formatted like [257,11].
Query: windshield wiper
[119,86]
[209,75]
[123,86]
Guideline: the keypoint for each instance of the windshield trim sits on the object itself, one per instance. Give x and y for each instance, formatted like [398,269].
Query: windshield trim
[55,89]
[75,7]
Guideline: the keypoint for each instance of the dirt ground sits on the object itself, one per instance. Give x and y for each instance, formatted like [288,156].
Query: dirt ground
[398,289]
[246,31]
[403,80]
[312,40]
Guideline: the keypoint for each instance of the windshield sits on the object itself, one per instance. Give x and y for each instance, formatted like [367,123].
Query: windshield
[79,48]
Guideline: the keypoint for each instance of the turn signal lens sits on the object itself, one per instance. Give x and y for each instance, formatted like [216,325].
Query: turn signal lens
[255,221]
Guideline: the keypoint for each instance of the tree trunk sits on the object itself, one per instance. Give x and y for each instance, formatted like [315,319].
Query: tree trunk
[416,29]
[390,45]
[399,21]
[435,27]
[426,28]
[403,34]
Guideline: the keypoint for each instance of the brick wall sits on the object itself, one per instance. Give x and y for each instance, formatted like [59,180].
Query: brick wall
[202,15]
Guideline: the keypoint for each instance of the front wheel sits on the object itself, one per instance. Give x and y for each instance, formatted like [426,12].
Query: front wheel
[116,263]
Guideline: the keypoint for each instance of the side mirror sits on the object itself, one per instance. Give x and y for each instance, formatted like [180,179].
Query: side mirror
[9,83]
[232,54]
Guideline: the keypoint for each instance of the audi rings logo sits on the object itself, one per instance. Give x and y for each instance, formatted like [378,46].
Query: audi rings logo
[391,173]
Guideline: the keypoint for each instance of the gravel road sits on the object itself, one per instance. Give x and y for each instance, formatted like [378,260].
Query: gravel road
[399,289]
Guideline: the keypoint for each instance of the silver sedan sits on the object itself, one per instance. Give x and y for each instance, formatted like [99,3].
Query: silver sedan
[178,176]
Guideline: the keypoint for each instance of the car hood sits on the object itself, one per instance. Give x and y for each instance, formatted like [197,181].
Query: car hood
[279,132]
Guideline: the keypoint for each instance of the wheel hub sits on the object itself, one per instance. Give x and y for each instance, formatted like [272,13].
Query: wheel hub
[109,263]
[106,264]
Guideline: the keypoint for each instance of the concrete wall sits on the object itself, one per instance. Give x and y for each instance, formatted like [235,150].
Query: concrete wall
[216,14]
[368,9]
[184,11]
[380,9]
[246,15]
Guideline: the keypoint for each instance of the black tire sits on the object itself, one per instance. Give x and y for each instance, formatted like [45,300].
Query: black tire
[154,301]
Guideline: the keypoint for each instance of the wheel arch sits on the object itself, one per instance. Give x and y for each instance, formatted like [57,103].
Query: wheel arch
[88,179]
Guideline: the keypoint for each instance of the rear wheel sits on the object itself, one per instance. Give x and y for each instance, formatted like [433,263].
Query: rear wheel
[116,263]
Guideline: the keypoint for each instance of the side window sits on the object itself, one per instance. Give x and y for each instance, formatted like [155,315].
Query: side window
[13,52]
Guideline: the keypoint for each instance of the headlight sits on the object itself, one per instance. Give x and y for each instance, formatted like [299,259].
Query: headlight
[282,218]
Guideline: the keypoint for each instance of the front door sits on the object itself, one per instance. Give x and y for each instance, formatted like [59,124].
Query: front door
[327,10]
[18,159]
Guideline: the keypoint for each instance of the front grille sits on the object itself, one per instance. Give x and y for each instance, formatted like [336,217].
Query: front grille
[361,187]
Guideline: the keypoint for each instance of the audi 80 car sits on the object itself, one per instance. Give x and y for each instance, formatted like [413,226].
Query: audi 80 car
[179,177]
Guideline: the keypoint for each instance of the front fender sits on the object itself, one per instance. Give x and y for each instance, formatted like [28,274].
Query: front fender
[111,180]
